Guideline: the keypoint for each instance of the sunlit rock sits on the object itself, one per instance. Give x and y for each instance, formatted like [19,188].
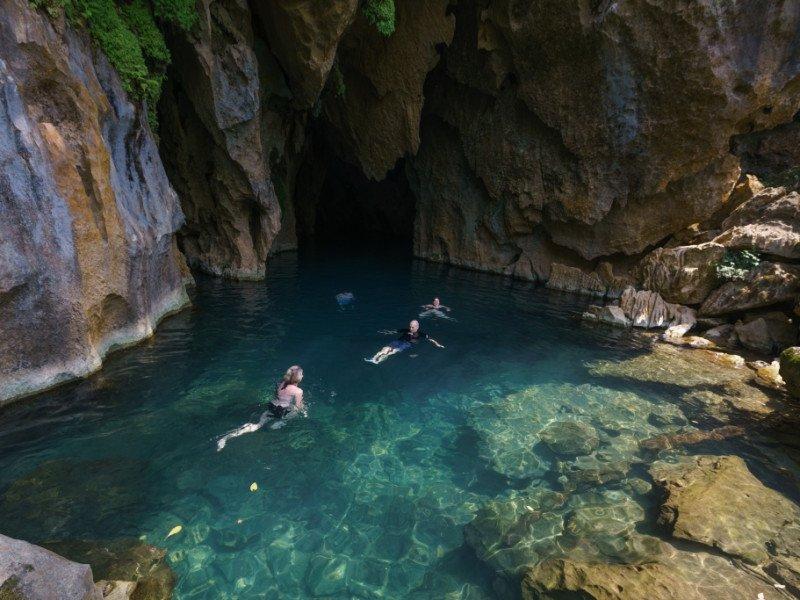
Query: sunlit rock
[766,285]
[790,369]
[716,501]
[570,438]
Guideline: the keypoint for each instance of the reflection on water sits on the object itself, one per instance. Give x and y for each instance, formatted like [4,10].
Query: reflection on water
[370,495]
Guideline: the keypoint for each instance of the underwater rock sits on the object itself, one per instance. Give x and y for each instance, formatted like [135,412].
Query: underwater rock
[790,369]
[129,563]
[675,440]
[570,438]
[64,497]
[716,501]
[590,472]
[28,572]
[671,574]
[766,285]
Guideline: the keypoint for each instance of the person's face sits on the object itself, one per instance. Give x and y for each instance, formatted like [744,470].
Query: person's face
[436,302]
[413,326]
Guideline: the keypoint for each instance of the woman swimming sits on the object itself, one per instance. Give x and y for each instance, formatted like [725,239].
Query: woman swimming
[408,337]
[287,403]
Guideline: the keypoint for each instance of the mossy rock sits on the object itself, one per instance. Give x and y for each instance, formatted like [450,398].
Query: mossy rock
[790,370]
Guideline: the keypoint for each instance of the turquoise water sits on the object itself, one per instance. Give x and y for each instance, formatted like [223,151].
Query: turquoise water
[368,497]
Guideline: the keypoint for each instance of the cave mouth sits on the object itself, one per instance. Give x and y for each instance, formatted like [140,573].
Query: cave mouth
[337,204]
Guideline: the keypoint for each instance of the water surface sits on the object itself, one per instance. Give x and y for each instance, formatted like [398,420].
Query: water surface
[368,496]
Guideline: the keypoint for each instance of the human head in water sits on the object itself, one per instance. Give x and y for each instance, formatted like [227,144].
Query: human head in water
[293,376]
[436,303]
[414,326]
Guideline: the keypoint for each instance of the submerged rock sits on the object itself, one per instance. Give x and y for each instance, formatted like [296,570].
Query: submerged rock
[675,440]
[570,438]
[28,572]
[716,501]
[122,565]
[673,574]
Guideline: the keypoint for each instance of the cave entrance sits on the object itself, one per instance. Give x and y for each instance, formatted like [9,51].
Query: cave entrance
[336,203]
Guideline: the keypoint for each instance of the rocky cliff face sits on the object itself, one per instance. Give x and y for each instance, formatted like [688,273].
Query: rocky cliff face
[88,259]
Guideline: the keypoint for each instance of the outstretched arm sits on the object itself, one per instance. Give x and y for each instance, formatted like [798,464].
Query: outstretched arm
[389,331]
[435,343]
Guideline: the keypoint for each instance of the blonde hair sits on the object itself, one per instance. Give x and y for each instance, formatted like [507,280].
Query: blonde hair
[292,376]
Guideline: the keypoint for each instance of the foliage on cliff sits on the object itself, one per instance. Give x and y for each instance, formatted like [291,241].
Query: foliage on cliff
[381,14]
[735,265]
[131,35]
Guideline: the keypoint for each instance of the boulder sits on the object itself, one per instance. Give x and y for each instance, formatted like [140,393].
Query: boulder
[768,223]
[766,285]
[648,310]
[671,574]
[570,438]
[28,572]
[790,370]
[716,501]
[766,334]
[612,315]
[573,279]
[683,274]
[769,376]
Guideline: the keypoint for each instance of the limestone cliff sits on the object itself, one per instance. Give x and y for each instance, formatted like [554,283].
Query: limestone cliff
[88,259]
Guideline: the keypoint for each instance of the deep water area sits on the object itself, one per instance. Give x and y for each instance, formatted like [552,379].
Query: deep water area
[369,496]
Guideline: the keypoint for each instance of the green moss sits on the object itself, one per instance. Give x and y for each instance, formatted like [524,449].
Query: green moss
[381,13]
[180,12]
[735,265]
[339,87]
[128,33]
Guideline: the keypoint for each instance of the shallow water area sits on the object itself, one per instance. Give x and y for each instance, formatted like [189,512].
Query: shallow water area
[369,496]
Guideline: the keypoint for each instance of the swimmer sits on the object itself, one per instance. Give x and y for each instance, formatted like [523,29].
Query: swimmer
[287,403]
[436,309]
[408,337]
[345,299]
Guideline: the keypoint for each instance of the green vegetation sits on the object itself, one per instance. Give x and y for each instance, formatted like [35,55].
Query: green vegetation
[735,265]
[381,14]
[131,35]
[339,87]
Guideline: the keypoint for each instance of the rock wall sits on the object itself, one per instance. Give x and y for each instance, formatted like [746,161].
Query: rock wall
[601,128]
[88,259]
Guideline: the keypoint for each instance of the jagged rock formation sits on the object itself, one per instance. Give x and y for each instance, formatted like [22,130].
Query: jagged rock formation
[88,260]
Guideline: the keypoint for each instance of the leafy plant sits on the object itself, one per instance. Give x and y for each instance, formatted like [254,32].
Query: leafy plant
[130,36]
[735,265]
[381,14]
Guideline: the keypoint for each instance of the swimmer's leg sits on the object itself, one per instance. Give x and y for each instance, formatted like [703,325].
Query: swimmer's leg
[386,355]
[246,428]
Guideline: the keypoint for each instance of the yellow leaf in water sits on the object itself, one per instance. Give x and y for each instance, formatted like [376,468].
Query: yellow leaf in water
[175,531]
[254,487]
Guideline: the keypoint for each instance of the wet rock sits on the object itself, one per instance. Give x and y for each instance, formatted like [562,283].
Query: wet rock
[722,335]
[672,574]
[589,472]
[123,565]
[88,220]
[327,575]
[790,370]
[682,274]
[509,535]
[648,310]
[611,315]
[766,334]
[716,501]
[570,438]
[766,285]
[28,572]
[676,440]
[768,223]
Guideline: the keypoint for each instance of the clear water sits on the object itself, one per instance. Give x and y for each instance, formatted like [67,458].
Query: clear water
[368,496]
